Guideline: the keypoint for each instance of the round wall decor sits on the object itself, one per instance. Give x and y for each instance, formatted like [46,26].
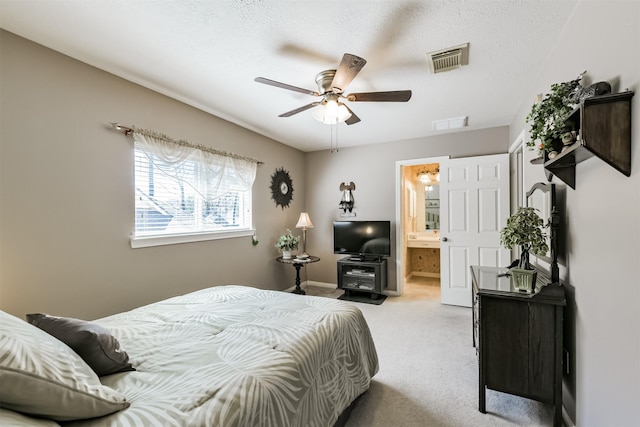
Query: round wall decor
[281,188]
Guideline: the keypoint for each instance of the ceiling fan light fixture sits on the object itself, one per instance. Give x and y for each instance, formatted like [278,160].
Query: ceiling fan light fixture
[331,85]
[331,112]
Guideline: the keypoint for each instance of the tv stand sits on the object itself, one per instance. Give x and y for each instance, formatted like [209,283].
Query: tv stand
[364,275]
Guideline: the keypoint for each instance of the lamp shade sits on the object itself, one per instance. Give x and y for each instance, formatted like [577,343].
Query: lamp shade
[304,221]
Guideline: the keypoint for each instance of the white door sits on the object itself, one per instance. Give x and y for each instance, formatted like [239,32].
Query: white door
[474,207]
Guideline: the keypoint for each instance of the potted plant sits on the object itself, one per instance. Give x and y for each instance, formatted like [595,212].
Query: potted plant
[547,117]
[525,228]
[286,243]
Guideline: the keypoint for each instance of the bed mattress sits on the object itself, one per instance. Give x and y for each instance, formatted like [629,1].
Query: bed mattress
[239,356]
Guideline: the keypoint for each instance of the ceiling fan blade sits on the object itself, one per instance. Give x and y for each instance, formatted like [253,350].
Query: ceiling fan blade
[285,86]
[353,119]
[391,96]
[349,67]
[299,110]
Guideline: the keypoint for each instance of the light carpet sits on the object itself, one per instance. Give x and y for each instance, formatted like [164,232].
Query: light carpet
[428,368]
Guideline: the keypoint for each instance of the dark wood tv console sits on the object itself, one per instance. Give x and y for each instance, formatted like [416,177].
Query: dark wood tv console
[366,275]
[518,338]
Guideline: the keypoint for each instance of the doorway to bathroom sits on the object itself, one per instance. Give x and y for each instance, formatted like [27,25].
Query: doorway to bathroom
[422,187]
[474,205]
[419,228]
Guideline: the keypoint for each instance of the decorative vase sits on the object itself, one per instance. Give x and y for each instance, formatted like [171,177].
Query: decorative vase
[286,254]
[523,280]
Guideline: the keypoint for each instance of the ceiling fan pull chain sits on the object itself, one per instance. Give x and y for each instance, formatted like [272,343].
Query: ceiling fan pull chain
[333,128]
[331,137]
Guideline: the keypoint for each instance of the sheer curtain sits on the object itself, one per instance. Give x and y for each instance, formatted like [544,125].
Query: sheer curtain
[183,188]
[220,171]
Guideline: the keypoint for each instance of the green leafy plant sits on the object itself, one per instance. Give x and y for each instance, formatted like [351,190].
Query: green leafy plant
[288,242]
[525,228]
[547,117]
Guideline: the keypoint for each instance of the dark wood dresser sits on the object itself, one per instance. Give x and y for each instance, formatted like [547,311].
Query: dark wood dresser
[518,338]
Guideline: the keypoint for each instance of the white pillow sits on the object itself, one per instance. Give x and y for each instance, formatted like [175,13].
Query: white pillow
[40,375]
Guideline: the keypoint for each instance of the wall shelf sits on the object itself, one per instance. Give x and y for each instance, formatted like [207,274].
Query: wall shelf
[604,125]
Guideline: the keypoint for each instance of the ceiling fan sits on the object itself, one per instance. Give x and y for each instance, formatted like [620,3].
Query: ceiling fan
[331,86]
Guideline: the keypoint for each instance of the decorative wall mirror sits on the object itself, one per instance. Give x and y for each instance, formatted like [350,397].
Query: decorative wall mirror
[542,197]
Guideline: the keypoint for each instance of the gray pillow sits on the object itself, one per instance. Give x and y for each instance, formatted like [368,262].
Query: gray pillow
[40,375]
[94,343]
[15,419]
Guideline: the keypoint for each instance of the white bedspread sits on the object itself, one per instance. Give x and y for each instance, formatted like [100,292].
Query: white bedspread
[238,356]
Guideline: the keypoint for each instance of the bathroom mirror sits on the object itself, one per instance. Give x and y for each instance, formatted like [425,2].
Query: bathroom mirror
[542,197]
[423,196]
[432,206]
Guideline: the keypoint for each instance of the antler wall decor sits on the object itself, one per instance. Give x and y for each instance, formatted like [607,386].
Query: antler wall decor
[347,196]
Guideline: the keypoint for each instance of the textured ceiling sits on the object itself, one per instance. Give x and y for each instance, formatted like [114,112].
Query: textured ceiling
[207,53]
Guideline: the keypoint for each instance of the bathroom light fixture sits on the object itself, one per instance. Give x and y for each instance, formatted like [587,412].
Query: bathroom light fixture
[427,176]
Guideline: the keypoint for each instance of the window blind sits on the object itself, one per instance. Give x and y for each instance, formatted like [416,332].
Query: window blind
[184,190]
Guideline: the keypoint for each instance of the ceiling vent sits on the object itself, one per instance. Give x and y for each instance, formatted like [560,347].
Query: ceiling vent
[453,123]
[448,59]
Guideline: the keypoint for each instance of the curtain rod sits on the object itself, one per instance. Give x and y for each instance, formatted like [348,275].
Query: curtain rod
[129,131]
[117,126]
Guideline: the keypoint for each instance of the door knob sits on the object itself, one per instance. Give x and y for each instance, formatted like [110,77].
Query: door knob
[444,239]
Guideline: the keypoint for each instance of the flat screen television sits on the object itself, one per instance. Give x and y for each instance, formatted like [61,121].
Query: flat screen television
[367,239]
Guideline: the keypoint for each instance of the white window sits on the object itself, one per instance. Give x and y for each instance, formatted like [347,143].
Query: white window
[187,193]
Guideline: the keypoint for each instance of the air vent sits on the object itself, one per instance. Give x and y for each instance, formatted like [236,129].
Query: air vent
[453,123]
[448,59]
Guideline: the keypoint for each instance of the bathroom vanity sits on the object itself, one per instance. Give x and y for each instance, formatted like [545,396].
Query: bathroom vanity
[423,254]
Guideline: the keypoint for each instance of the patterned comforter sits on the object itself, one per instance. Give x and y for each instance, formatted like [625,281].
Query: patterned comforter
[238,356]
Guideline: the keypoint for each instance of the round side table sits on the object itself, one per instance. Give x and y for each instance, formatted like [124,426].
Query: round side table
[298,263]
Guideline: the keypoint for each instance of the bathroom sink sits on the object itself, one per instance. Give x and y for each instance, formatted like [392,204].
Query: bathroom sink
[423,240]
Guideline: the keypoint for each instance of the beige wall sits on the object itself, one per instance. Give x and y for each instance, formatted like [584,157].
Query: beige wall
[602,224]
[373,169]
[67,193]
[66,206]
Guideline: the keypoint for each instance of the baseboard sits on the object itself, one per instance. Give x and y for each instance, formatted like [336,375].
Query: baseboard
[320,284]
[306,283]
[424,274]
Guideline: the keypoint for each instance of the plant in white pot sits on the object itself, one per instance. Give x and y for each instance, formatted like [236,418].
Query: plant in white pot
[287,243]
[525,228]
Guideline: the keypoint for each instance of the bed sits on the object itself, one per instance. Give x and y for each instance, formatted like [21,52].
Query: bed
[223,356]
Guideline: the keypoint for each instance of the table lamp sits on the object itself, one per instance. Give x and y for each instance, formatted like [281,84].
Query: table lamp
[304,222]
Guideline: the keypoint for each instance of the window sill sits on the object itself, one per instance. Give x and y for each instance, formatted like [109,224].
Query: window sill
[148,241]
